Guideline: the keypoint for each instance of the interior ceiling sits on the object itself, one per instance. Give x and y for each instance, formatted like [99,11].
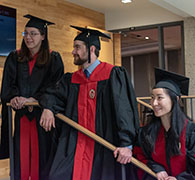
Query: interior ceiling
[180,7]
[134,42]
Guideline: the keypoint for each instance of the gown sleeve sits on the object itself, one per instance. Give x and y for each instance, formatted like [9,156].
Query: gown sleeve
[190,146]
[145,155]
[190,153]
[139,155]
[54,75]
[8,91]
[9,88]
[125,106]
[55,97]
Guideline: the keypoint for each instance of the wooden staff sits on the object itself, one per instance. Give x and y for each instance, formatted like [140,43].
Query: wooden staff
[96,138]
[102,142]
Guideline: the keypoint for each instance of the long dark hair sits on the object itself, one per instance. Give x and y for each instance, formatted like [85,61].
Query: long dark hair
[43,57]
[150,132]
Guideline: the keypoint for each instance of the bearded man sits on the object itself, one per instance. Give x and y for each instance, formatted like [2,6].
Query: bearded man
[100,97]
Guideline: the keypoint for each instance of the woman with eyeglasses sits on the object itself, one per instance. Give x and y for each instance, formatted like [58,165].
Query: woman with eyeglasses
[168,141]
[27,74]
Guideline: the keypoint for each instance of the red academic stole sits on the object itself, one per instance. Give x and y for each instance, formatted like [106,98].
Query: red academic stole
[29,148]
[83,160]
[178,162]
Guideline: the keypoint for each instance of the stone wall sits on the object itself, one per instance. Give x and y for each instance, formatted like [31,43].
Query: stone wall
[189,45]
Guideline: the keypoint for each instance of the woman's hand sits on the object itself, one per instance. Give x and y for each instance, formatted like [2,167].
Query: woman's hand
[14,102]
[30,100]
[18,102]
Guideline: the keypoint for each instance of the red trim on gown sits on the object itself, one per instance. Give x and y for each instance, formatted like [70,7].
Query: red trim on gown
[178,162]
[83,160]
[29,148]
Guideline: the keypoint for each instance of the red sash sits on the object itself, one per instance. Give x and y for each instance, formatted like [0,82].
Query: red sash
[84,154]
[29,149]
[178,162]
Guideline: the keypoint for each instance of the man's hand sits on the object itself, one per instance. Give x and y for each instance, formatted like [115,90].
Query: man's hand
[47,120]
[124,155]
[162,175]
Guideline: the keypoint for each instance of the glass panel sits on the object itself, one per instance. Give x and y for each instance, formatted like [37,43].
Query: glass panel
[173,50]
[141,47]
[140,54]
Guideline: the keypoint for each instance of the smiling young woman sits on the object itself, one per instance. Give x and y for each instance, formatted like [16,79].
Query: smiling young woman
[33,39]
[167,142]
[27,74]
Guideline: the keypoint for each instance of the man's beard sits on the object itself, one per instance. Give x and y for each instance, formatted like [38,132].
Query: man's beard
[79,61]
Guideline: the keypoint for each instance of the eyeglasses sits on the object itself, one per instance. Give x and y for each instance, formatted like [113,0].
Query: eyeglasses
[31,34]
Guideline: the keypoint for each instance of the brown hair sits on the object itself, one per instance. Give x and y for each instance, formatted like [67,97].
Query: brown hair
[43,57]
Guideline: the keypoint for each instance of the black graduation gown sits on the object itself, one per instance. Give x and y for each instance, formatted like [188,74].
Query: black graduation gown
[183,165]
[111,109]
[17,82]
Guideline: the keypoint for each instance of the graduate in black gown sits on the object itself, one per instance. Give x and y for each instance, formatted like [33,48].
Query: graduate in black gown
[168,141]
[102,101]
[27,73]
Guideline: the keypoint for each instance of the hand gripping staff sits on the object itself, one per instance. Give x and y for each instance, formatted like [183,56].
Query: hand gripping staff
[102,142]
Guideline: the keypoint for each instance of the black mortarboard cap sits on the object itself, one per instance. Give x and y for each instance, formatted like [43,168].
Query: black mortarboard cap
[177,83]
[90,37]
[38,23]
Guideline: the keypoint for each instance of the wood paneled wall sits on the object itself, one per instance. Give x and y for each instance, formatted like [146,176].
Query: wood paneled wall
[63,14]
[60,35]
[117,49]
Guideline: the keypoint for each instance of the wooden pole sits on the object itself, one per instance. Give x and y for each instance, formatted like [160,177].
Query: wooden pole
[96,138]
[144,103]
[27,104]
[102,141]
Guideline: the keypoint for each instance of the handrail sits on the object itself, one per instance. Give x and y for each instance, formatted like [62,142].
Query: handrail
[96,138]
[182,97]
[188,97]
[27,104]
[144,103]
[143,98]
[140,100]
